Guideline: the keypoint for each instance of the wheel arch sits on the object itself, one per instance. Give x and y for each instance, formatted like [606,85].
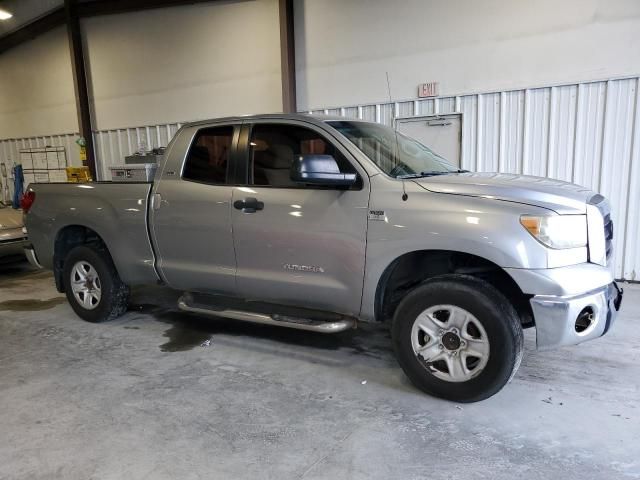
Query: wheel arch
[67,238]
[410,269]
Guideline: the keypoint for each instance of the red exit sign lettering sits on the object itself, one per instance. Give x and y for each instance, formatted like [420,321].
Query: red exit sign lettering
[428,89]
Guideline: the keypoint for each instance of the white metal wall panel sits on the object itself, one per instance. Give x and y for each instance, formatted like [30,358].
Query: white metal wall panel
[469,108]
[631,249]
[488,133]
[112,146]
[562,122]
[10,149]
[616,156]
[586,133]
[534,160]
[589,130]
[511,131]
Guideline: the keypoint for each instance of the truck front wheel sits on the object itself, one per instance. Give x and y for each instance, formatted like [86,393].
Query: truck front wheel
[92,284]
[457,337]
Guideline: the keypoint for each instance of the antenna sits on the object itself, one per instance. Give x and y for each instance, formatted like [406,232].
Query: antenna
[404,190]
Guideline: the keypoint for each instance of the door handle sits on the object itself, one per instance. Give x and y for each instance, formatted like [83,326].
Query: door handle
[248,205]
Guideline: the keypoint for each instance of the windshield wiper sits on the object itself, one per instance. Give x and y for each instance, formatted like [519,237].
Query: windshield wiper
[430,173]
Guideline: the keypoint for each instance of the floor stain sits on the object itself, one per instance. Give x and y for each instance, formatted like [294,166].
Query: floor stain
[18,276]
[30,305]
[182,338]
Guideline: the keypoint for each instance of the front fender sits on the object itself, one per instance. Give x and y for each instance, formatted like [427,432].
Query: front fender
[485,228]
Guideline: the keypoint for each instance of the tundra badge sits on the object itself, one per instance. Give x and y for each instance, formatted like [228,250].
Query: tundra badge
[303,268]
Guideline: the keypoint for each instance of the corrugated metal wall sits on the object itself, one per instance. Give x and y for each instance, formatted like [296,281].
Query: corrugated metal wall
[10,149]
[587,133]
[113,145]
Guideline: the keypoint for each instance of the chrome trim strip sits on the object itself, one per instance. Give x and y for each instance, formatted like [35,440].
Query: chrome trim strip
[595,234]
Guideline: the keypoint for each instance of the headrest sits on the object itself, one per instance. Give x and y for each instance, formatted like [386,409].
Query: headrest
[200,153]
[282,156]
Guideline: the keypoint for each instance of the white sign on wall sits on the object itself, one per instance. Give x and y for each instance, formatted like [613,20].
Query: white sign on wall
[428,89]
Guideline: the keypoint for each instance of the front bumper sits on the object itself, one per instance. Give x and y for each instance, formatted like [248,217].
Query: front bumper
[556,316]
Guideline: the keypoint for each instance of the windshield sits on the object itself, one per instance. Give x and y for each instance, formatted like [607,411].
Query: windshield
[396,154]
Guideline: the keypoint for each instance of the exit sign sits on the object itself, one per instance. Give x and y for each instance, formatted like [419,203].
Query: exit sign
[428,89]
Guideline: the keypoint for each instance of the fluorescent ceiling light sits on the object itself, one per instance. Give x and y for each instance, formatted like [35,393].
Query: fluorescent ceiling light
[4,15]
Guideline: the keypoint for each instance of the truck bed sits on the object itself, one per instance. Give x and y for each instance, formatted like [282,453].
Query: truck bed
[116,212]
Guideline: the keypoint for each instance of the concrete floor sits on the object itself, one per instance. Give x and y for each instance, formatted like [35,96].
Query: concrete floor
[140,398]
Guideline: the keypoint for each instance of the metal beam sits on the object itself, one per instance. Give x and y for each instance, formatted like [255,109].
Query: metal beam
[57,17]
[109,7]
[80,81]
[287,56]
[41,25]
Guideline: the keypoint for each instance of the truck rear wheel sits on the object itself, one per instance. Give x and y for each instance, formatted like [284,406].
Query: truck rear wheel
[458,338]
[93,286]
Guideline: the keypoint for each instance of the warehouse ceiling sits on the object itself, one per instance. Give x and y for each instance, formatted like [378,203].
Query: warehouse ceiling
[25,11]
[33,17]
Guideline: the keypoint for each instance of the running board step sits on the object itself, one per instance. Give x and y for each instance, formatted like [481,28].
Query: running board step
[187,304]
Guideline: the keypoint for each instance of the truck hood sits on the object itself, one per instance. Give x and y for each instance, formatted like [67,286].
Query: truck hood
[561,197]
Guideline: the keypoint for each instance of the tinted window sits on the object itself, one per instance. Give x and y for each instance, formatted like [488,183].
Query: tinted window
[274,147]
[208,157]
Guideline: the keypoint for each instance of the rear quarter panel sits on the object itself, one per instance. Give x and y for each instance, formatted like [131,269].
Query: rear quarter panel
[117,212]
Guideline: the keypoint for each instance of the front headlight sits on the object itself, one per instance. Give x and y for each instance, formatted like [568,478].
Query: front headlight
[557,231]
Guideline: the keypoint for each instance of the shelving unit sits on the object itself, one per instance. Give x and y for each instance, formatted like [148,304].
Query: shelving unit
[44,164]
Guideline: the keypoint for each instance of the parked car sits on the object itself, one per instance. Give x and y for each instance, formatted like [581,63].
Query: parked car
[317,222]
[13,236]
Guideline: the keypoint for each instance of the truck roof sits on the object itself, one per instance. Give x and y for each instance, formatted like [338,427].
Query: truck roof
[313,118]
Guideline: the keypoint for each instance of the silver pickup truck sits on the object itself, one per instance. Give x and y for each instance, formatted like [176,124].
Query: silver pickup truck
[316,223]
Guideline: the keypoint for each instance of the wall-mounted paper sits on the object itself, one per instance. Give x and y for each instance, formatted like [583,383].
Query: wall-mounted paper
[39,160]
[52,159]
[58,176]
[25,160]
[41,177]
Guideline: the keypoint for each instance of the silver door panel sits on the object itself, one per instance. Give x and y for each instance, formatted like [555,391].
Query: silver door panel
[306,247]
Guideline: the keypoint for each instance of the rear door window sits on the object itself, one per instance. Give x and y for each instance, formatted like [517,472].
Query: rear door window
[208,158]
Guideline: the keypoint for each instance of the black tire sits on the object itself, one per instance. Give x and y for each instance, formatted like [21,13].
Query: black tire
[496,314]
[114,295]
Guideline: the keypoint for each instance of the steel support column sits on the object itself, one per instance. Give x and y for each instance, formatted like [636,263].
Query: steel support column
[80,81]
[287,56]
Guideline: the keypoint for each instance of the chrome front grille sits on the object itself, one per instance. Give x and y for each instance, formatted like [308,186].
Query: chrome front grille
[608,235]
[600,230]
